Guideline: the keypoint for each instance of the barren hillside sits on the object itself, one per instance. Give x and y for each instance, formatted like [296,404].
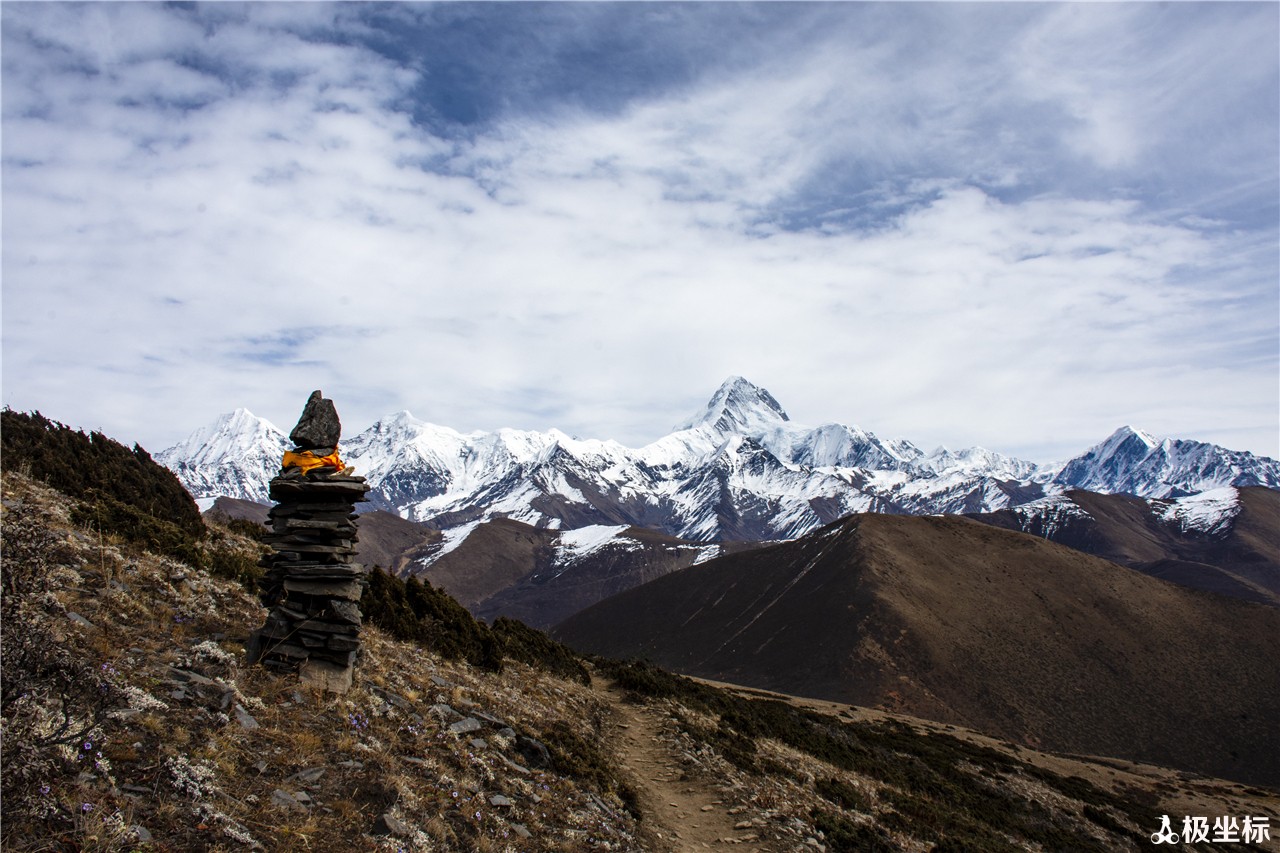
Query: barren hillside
[953,620]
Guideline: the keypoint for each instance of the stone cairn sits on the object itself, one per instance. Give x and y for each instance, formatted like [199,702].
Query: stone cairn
[311,586]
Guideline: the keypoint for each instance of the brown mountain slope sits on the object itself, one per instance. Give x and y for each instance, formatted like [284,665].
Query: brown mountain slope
[391,542]
[1242,560]
[228,508]
[507,568]
[493,556]
[953,620]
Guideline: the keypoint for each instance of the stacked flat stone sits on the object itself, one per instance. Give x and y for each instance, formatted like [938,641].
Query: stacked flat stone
[311,584]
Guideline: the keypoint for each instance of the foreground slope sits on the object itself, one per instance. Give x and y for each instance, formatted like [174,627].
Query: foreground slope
[169,742]
[957,621]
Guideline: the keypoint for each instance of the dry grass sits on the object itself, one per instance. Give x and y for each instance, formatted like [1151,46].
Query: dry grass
[178,746]
[171,760]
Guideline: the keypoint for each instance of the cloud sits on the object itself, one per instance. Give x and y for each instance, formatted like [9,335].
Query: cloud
[945,224]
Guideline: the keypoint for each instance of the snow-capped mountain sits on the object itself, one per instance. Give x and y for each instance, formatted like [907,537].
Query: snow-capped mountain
[234,457]
[740,468]
[1224,539]
[1210,513]
[1134,462]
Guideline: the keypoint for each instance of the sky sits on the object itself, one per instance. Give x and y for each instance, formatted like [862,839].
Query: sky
[1019,226]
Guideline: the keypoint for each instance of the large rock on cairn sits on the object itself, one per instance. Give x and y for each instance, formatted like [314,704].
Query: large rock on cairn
[311,585]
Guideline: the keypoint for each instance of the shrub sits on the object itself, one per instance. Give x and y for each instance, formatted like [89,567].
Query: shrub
[122,492]
[845,836]
[225,560]
[528,645]
[93,467]
[416,612]
[111,516]
[842,794]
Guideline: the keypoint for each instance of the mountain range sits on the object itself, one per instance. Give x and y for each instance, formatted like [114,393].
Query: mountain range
[737,470]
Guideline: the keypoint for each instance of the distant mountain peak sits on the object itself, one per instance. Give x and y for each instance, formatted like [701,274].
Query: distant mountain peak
[234,456]
[1126,432]
[739,469]
[738,405]
[229,431]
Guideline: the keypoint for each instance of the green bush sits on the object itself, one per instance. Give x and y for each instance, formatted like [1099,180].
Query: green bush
[93,467]
[842,794]
[845,836]
[122,492]
[226,561]
[528,645]
[111,516]
[416,612]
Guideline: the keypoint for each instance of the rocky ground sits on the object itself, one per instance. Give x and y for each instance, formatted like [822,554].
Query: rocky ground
[132,723]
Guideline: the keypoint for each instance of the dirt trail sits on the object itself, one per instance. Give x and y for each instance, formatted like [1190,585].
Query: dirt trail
[681,811]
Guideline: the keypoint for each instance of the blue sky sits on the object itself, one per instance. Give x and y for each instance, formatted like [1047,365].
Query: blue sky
[1013,225]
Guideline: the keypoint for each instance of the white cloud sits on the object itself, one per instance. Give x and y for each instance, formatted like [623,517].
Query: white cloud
[603,272]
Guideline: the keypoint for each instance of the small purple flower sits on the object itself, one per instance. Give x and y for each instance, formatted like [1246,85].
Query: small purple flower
[86,807]
[44,789]
[88,746]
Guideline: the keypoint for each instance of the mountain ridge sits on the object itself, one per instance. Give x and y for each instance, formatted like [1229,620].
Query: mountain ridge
[739,468]
[949,619]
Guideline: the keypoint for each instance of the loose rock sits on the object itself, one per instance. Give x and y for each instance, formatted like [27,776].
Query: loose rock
[389,824]
[462,727]
[319,426]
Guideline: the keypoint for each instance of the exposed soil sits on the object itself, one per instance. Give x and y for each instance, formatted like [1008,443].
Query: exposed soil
[682,810]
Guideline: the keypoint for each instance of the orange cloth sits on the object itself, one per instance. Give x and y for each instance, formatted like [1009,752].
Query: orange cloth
[306,460]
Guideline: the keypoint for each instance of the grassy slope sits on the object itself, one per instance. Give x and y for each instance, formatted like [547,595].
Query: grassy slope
[205,754]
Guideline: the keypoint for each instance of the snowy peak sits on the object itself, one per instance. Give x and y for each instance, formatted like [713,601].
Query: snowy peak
[741,407]
[1129,442]
[228,437]
[976,461]
[739,469]
[1137,463]
[235,456]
